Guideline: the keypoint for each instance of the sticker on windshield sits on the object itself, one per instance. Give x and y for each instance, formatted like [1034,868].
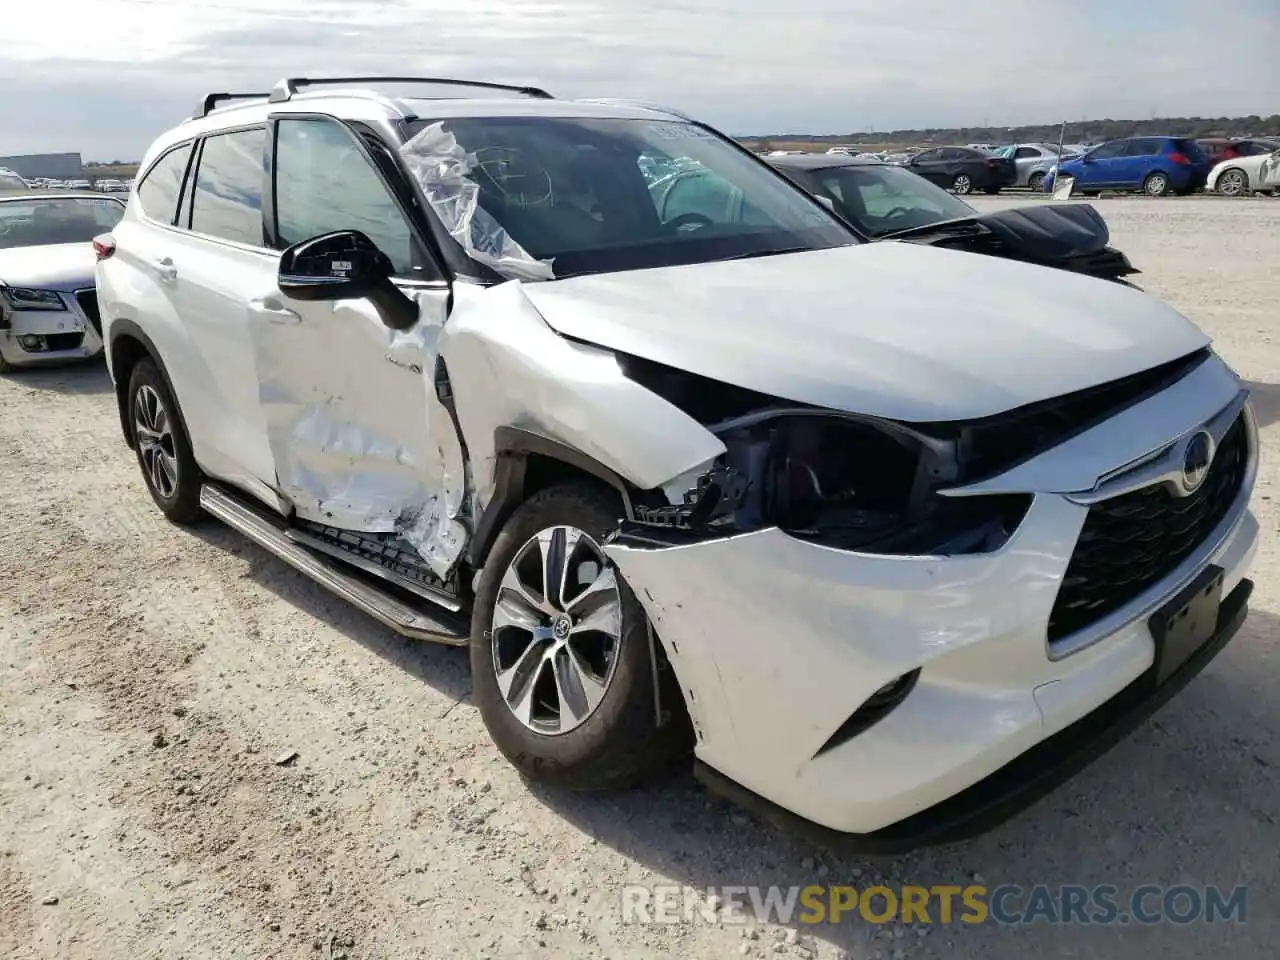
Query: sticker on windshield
[679,131]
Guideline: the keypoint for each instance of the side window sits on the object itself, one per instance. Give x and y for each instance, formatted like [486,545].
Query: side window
[324,183]
[1143,148]
[929,156]
[227,201]
[703,194]
[1023,152]
[1107,151]
[157,193]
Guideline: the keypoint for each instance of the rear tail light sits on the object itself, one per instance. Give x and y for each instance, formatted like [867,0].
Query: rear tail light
[1181,159]
[104,246]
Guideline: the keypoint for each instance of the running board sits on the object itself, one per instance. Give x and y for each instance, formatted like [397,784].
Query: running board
[383,607]
[438,597]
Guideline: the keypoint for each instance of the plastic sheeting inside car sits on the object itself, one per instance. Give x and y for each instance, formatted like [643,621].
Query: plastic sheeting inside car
[442,168]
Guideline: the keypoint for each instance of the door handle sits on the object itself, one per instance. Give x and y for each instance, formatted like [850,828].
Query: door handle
[405,362]
[271,310]
[165,269]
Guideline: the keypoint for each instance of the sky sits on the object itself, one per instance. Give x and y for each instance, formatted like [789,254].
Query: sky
[104,77]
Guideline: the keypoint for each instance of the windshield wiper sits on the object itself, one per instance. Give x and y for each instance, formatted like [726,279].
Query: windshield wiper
[940,226]
[762,253]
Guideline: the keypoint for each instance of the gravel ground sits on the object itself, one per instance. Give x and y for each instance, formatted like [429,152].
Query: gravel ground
[203,755]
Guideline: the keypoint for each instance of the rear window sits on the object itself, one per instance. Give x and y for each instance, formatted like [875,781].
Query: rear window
[1190,148]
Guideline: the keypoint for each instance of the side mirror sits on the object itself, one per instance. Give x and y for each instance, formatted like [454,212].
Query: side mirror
[345,265]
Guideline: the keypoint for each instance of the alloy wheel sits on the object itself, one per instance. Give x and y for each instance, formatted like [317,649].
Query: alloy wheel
[1157,184]
[962,184]
[1231,184]
[557,626]
[154,434]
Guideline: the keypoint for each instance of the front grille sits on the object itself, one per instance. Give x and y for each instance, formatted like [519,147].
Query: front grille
[1132,542]
[62,341]
[88,300]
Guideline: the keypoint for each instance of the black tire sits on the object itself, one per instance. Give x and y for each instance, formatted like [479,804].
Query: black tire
[181,503]
[1156,185]
[5,366]
[1036,183]
[620,742]
[962,184]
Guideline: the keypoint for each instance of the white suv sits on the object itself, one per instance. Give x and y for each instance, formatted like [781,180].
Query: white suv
[891,537]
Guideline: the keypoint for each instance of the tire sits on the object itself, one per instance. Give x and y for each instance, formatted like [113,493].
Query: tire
[1156,185]
[1232,182]
[167,463]
[6,366]
[962,184]
[1036,183]
[613,743]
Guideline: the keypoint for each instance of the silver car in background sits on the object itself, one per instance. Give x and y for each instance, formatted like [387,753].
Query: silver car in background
[48,302]
[1031,161]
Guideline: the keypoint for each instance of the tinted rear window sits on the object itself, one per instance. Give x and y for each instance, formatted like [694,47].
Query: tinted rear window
[1190,148]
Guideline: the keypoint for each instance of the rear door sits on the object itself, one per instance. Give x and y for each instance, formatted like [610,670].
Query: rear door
[1025,160]
[212,262]
[1140,158]
[345,398]
[932,167]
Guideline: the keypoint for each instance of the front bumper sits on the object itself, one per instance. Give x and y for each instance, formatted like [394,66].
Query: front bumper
[777,642]
[1020,783]
[33,337]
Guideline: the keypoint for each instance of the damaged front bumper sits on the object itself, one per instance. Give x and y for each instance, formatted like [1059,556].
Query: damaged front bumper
[31,337]
[901,699]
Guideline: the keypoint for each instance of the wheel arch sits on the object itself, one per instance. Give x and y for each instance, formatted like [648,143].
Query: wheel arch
[128,345]
[527,462]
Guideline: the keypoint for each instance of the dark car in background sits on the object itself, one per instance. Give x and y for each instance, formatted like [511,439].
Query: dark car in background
[888,202]
[1229,148]
[964,169]
[1157,166]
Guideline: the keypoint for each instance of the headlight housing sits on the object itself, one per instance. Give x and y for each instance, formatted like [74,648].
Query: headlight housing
[29,298]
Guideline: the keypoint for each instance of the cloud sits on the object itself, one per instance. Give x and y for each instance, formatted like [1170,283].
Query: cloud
[105,77]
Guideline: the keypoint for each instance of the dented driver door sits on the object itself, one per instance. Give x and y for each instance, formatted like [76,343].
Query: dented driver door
[345,398]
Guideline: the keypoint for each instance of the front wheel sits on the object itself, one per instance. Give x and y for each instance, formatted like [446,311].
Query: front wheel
[962,184]
[161,444]
[561,662]
[1156,185]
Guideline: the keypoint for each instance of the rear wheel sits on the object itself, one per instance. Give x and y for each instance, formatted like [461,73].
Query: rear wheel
[1036,182]
[162,447]
[1156,184]
[561,662]
[1233,183]
[962,184]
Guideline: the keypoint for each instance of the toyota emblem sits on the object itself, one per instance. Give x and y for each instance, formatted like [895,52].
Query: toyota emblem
[1196,458]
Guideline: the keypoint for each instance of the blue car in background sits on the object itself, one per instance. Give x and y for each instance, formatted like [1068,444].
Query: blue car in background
[1155,165]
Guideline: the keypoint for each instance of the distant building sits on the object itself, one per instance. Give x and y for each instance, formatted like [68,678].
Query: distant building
[55,166]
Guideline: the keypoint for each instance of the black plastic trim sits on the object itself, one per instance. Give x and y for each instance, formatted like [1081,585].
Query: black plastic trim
[513,446]
[870,713]
[1018,784]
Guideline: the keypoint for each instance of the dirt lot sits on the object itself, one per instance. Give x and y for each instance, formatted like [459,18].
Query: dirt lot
[154,679]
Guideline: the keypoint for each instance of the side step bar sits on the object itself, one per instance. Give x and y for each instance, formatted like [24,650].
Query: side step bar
[383,607]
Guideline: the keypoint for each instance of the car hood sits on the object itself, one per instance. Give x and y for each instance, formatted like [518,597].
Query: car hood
[889,329]
[58,266]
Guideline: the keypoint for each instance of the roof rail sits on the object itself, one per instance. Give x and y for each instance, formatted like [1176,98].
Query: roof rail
[213,99]
[286,88]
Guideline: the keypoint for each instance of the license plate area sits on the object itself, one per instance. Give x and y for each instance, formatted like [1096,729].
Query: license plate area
[1186,623]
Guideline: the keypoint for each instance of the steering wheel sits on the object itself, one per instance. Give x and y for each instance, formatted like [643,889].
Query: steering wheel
[690,221]
[896,212]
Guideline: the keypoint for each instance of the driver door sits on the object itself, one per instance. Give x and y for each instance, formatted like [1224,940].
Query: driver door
[345,398]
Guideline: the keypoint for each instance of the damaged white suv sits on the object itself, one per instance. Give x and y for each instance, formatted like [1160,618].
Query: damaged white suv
[891,537]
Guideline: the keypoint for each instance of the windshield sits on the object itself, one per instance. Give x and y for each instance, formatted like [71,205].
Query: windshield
[45,220]
[544,198]
[882,200]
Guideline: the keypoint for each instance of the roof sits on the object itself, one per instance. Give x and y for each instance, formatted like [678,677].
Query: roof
[60,195]
[822,161]
[363,104]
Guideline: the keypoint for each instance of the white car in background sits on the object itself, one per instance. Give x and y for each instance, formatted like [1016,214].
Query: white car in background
[48,301]
[1241,176]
